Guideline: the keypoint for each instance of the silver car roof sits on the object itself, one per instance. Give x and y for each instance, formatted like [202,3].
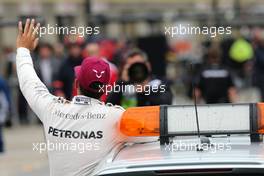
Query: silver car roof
[151,156]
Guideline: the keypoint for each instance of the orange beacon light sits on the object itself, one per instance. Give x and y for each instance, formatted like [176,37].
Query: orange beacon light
[260,118]
[141,121]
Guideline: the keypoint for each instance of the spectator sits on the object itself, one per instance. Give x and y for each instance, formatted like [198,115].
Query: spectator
[92,49]
[4,108]
[11,81]
[259,67]
[5,89]
[214,83]
[46,66]
[59,52]
[63,84]
[122,47]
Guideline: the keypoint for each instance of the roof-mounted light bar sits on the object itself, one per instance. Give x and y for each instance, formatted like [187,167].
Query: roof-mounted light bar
[170,121]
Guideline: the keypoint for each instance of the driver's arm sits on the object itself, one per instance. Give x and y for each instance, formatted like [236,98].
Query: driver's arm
[35,92]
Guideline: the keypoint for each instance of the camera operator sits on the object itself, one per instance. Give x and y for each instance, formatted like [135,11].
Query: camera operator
[146,91]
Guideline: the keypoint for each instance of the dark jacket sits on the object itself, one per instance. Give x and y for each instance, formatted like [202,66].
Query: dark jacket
[55,66]
[65,77]
[5,89]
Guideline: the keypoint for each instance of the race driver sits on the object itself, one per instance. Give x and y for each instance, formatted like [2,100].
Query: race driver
[84,121]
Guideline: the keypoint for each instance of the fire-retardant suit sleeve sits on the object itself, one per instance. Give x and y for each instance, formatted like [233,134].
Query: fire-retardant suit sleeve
[35,92]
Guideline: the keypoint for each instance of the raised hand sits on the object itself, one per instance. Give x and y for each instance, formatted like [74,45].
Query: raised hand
[27,38]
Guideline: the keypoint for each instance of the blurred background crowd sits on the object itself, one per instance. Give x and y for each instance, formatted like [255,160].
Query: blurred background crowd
[222,69]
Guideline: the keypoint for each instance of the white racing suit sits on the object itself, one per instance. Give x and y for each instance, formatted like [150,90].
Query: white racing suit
[78,133]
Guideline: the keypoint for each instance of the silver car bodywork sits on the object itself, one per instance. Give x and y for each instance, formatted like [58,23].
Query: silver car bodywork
[151,156]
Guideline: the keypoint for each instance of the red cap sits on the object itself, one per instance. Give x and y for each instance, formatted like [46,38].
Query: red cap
[92,70]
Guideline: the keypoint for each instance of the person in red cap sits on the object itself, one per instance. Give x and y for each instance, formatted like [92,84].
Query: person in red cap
[79,133]
[92,76]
